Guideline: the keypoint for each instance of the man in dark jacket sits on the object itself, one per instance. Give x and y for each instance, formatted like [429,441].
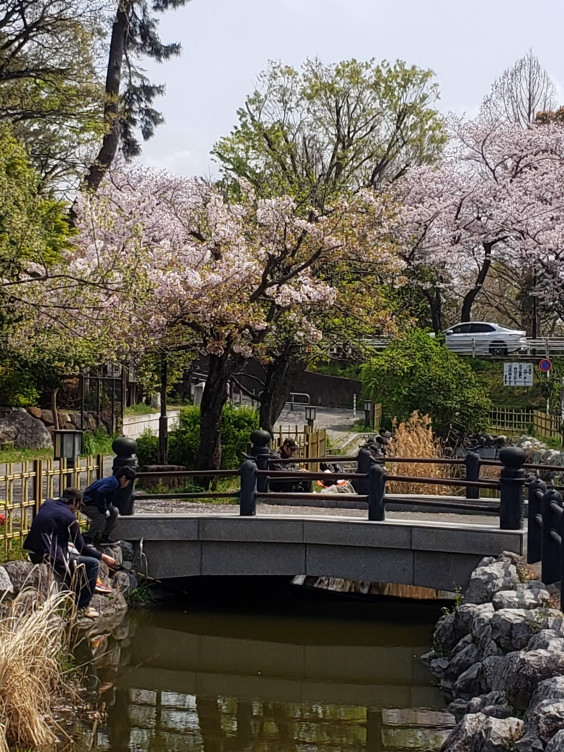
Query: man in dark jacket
[99,507]
[285,452]
[53,528]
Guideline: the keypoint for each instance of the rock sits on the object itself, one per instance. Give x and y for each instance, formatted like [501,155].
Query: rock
[115,551]
[513,628]
[120,581]
[470,683]
[526,598]
[453,627]
[542,724]
[556,744]
[107,605]
[477,732]
[47,417]
[532,668]
[19,427]
[5,582]
[548,639]
[488,578]
[460,662]
[24,574]
[126,550]
[35,412]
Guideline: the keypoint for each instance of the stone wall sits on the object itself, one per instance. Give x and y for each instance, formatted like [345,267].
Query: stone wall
[500,660]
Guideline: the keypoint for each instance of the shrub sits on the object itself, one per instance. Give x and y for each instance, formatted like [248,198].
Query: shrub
[237,423]
[416,372]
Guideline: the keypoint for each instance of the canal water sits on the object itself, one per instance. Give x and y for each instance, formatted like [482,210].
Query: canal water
[273,670]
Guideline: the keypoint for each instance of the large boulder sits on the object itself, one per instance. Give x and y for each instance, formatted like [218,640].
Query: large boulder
[545,716]
[24,574]
[5,583]
[527,595]
[511,629]
[477,732]
[556,744]
[532,668]
[20,428]
[490,577]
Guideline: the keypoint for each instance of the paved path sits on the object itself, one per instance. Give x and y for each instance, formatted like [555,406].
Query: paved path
[336,420]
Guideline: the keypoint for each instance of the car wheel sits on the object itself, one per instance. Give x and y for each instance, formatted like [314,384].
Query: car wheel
[498,348]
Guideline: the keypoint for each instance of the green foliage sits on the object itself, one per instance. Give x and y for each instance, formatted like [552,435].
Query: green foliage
[140,409]
[142,595]
[326,129]
[417,372]
[237,423]
[97,442]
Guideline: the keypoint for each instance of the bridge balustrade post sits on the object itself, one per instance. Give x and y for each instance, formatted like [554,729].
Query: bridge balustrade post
[376,493]
[511,483]
[551,550]
[534,535]
[473,463]
[364,461]
[248,492]
[260,451]
[125,449]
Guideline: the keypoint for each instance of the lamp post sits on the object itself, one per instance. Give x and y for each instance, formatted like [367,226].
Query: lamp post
[310,413]
[67,446]
[368,413]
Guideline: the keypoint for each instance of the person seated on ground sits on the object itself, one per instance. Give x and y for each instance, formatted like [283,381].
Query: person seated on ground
[286,451]
[340,485]
[99,508]
[54,527]
[383,441]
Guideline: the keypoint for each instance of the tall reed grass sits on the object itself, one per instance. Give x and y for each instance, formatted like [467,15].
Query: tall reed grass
[34,644]
[415,438]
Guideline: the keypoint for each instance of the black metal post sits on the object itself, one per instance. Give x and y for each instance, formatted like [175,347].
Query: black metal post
[473,463]
[364,461]
[260,452]
[248,492]
[376,493]
[534,536]
[511,483]
[163,420]
[551,554]
[124,449]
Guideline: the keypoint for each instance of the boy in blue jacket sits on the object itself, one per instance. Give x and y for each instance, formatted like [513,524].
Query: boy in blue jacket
[99,507]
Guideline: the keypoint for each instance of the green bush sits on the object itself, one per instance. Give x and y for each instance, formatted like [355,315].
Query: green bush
[237,423]
[417,372]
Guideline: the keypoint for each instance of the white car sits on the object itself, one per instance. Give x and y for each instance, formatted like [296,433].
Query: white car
[484,338]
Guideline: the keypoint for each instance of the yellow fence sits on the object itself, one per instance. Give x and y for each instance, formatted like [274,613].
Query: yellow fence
[24,486]
[521,421]
[312,442]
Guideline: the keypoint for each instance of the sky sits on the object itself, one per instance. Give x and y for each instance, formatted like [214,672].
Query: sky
[227,43]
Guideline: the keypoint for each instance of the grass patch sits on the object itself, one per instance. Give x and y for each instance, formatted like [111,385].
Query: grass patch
[15,454]
[140,409]
[97,442]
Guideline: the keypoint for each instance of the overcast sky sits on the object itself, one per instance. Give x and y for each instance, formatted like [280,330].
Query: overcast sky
[226,43]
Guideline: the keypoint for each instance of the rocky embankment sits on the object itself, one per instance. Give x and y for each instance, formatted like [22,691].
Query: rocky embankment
[17,575]
[500,660]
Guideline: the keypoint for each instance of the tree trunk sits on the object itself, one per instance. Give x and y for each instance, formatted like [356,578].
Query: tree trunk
[435,307]
[111,139]
[280,377]
[214,398]
[471,295]
[54,391]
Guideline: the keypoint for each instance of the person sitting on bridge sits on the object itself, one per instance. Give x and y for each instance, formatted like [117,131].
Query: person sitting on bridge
[286,451]
[383,442]
[99,508]
[54,527]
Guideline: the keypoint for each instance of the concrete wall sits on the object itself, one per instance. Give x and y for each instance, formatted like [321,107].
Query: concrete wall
[135,425]
[423,554]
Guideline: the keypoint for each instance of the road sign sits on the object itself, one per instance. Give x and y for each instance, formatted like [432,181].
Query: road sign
[517,374]
[545,365]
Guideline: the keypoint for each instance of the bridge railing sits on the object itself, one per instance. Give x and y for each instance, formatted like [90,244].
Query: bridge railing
[546,533]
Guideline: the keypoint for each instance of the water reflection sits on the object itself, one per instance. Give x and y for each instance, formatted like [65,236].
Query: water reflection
[311,678]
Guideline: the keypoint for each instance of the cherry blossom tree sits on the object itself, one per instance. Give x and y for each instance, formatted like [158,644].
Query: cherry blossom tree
[497,199]
[192,270]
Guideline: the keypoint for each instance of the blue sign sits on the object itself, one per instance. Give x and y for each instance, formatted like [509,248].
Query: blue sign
[545,365]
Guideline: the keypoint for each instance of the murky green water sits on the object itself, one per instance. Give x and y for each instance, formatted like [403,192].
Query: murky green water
[282,674]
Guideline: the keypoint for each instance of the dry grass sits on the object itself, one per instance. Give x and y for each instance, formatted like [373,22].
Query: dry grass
[34,640]
[414,438]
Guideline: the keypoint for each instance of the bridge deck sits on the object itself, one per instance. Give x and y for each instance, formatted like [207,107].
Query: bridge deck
[435,553]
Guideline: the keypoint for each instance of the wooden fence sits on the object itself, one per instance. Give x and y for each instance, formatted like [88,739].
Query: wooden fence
[24,486]
[312,442]
[522,421]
